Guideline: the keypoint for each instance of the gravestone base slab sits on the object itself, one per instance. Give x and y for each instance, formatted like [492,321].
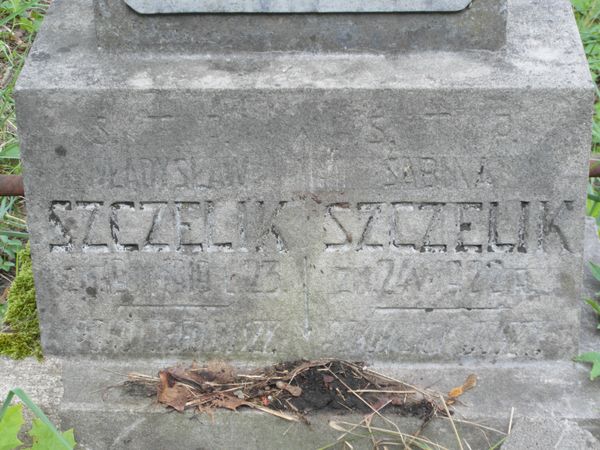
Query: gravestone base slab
[82,394]
[108,417]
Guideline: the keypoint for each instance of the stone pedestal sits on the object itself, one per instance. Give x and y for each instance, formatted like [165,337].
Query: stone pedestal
[389,187]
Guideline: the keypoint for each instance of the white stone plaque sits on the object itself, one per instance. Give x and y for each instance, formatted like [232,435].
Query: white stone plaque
[294,6]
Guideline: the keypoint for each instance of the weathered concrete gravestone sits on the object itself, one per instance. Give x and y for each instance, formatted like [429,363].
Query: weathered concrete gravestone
[391,187]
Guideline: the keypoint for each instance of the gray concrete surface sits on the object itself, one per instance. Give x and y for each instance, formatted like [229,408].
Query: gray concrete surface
[296,6]
[421,210]
[550,434]
[107,417]
[418,208]
[41,381]
[120,29]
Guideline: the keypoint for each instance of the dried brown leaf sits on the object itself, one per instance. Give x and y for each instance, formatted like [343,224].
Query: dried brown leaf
[172,394]
[214,372]
[186,376]
[229,402]
[469,383]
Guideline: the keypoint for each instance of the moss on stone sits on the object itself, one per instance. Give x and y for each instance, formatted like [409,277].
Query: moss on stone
[20,336]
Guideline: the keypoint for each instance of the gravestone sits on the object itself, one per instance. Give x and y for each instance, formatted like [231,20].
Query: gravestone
[391,181]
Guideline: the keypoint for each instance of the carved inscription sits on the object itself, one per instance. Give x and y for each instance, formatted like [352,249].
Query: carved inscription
[256,226]
[430,127]
[418,279]
[173,281]
[381,165]
[186,227]
[417,227]
[156,336]
[176,173]
[483,337]
[439,171]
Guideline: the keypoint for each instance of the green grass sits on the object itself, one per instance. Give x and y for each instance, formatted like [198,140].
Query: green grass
[587,13]
[19,22]
[19,329]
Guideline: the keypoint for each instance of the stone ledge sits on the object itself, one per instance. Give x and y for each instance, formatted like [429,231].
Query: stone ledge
[539,54]
[106,417]
[548,433]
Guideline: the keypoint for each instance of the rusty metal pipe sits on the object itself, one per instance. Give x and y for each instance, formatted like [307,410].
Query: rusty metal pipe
[594,168]
[11,185]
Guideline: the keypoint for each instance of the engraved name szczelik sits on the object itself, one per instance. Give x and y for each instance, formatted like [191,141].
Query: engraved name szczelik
[274,226]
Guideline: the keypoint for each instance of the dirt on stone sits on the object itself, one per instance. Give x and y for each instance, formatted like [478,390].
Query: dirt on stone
[292,390]
[341,386]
